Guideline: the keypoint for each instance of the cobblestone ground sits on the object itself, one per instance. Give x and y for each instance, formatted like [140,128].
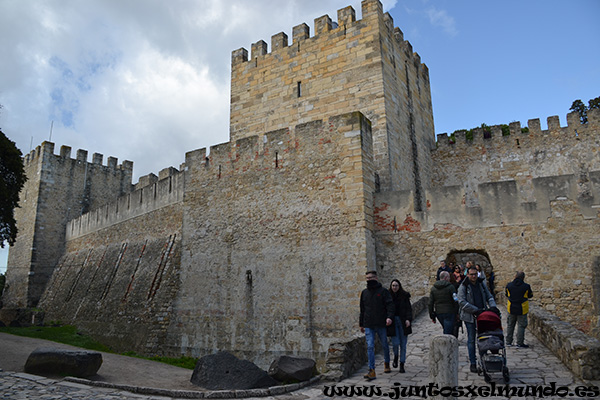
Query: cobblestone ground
[534,366]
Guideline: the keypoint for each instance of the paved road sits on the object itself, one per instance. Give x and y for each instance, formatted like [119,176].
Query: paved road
[535,366]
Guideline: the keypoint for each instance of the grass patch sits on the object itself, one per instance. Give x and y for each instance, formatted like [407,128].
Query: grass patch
[183,362]
[68,334]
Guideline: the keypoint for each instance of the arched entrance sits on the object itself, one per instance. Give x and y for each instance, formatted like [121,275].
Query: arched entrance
[477,256]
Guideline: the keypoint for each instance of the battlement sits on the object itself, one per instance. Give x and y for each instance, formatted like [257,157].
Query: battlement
[350,65]
[151,195]
[47,148]
[502,203]
[244,153]
[503,153]
[574,130]
[151,179]
[324,25]
[276,151]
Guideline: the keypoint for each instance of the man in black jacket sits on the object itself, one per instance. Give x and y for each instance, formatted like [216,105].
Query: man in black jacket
[376,312]
[443,267]
[518,294]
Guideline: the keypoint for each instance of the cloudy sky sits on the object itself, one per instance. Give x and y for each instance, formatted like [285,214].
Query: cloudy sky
[148,80]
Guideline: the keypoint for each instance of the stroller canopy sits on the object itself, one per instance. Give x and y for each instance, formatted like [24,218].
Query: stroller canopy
[488,321]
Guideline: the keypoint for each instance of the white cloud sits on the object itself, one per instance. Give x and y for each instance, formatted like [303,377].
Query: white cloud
[140,80]
[143,80]
[164,106]
[443,20]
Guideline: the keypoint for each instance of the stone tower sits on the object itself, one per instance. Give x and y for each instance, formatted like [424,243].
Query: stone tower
[58,190]
[258,246]
[352,65]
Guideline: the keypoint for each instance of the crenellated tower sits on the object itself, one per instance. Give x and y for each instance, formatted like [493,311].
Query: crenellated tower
[350,65]
[59,189]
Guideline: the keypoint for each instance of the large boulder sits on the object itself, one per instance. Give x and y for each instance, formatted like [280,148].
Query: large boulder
[55,361]
[224,371]
[292,369]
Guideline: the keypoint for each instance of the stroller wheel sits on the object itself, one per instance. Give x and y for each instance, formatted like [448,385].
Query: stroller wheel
[505,375]
[486,377]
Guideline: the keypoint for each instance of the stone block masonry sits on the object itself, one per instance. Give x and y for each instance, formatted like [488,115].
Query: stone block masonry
[258,246]
[528,200]
[118,283]
[58,189]
[262,255]
[149,195]
[522,157]
[577,351]
[276,242]
[355,65]
[558,255]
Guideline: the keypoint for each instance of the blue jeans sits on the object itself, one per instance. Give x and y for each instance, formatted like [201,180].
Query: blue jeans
[370,336]
[447,321]
[471,336]
[399,340]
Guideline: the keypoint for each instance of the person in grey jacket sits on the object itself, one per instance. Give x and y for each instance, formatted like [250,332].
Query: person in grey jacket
[473,298]
[442,304]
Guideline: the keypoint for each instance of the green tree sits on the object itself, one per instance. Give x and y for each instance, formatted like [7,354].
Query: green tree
[12,179]
[2,282]
[581,109]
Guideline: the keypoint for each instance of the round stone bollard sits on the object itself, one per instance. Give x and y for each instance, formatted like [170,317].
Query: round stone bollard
[443,363]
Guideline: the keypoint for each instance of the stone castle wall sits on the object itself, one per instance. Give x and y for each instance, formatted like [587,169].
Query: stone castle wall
[118,283]
[559,257]
[522,157]
[529,201]
[122,259]
[408,114]
[150,194]
[276,242]
[268,250]
[20,256]
[352,65]
[259,245]
[58,189]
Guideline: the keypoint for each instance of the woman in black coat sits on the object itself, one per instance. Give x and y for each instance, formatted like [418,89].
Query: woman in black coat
[402,321]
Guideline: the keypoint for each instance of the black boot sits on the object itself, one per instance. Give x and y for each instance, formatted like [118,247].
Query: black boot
[402,368]
[395,363]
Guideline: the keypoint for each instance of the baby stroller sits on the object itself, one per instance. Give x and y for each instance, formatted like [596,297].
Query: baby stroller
[490,346]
